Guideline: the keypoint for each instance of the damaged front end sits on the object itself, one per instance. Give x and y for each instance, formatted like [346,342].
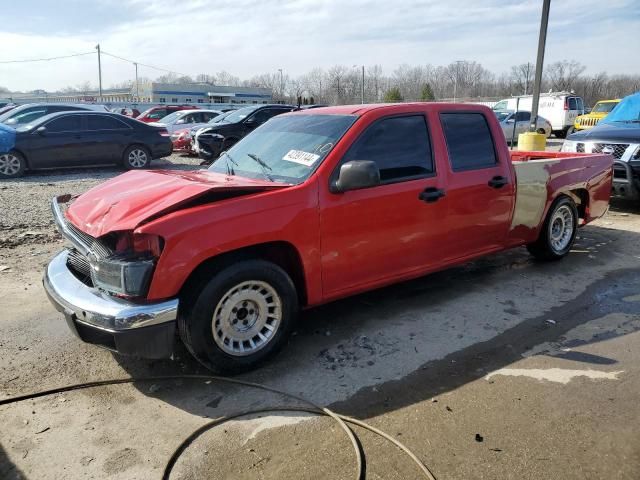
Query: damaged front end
[99,285]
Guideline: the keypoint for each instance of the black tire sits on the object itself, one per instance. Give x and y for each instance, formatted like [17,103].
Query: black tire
[202,303]
[12,164]
[561,133]
[136,157]
[544,247]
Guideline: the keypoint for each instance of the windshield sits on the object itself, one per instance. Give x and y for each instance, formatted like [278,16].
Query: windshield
[627,111]
[285,149]
[502,116]
[171,118]
[239,115]
[603,107]
[217,118]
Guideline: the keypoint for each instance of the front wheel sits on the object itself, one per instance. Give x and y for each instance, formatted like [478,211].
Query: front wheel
[558,231]
[12,165]
[239,318]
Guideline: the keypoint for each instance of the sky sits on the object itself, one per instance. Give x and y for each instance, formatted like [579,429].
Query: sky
[248,37]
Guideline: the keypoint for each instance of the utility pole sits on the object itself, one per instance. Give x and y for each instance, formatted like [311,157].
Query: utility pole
[362,91]
[544,22]
[137,88]
[361,85]
[455,80]
[99,75]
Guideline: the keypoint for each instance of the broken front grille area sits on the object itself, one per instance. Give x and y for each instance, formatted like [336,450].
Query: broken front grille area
[78,263]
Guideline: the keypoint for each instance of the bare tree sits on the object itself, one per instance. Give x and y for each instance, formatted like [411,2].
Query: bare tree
[562,75]
[522,76]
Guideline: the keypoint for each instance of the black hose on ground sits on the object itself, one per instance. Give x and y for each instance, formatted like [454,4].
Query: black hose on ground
[315,409]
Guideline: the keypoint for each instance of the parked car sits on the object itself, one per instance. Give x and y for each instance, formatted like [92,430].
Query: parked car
[310,207]
[618,134]
[154,114]
[32,111]
[7,107]
[73,139]
[195,129]
[129,112]
[560,108]
[213,139]
[599,111]
[181,140]
[184,118]
[515,123]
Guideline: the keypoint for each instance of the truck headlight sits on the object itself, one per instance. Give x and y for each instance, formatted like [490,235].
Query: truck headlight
[122,274]
[128,271]
[569,146]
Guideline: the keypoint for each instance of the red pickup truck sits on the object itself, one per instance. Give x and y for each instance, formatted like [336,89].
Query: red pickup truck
[310,207]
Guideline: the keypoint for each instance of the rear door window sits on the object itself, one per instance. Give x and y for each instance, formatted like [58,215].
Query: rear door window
[469,141]
[399,146]
[104,122]
[573,104]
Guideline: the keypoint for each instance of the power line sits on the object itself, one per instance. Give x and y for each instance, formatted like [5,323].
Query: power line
[144,64]
[47,59]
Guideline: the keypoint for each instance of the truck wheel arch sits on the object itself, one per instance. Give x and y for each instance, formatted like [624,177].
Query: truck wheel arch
[281,253]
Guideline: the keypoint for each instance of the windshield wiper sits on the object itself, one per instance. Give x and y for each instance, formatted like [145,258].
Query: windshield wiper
[262,164]
[230,160]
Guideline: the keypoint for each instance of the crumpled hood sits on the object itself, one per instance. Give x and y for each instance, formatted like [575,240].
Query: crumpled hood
[126,201]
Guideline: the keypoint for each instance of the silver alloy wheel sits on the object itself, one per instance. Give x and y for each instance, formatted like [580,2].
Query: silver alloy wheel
[561,228]
[137,158]
[9,164]
[247,318]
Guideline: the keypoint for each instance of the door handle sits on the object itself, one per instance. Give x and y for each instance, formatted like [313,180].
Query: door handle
[431,194]
[498,182]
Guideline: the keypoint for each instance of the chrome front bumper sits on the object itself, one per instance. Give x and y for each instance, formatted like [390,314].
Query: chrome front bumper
[145,330]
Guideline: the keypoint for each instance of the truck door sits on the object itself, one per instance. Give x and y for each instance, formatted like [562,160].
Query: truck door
[375,235]
[480,190]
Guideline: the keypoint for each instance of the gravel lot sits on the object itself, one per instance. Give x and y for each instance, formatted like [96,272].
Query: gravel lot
[502,368]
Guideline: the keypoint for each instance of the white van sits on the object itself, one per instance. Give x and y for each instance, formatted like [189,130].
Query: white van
[560,108]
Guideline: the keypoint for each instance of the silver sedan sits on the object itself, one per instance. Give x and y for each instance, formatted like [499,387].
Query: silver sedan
[519,121]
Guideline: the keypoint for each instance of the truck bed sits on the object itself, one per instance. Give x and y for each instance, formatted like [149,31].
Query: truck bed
[542,176]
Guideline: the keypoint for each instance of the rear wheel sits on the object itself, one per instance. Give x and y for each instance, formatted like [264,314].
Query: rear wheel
[136,157]
[240,317]
[558,231]
[12,165]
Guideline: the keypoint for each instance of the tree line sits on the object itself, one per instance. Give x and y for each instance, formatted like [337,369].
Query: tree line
[458,81]
[461,80]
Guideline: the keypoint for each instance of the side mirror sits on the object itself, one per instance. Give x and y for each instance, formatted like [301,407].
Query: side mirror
[356,174]
[251,122]
[41,131]
[180,121]
[511,120]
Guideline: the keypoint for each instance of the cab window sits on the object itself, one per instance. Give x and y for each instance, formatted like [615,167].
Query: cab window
[399,146]
[469,141]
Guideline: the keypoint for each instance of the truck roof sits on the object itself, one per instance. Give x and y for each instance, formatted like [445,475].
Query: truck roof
[361,109]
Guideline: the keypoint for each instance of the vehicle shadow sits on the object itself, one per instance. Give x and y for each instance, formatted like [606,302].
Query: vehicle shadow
[387,349]
[8,470]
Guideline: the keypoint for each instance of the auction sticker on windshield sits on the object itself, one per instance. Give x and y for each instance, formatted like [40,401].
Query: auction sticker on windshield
[303,158]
